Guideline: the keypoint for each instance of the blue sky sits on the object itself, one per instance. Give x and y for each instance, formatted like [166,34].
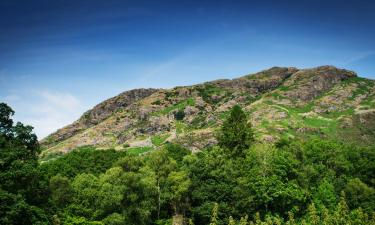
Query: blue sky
[59,58]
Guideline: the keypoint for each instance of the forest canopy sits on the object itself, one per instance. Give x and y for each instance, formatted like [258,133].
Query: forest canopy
[237,181]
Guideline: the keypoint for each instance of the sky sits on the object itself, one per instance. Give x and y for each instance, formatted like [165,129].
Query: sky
[60,58]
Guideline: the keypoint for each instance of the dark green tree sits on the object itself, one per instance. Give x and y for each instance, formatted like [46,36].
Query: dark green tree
[6,121]
[359,194]
[19,150]
[236,134]
[179,115]
[61,191]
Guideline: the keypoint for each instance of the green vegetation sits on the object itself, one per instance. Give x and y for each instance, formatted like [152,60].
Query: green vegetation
[50,156]
[198,122]
[369,102]
[179,107]
[19,187]
[158,140]
[179,115]
[138,150]
[157,102]
[82,160]
[235,182]
[180,127]
[284,88]
[207,92]
[236,134]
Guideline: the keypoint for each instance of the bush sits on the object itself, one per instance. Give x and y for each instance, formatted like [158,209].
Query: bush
[179,115]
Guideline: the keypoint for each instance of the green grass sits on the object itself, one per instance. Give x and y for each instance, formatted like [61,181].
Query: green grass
[260,75]
[209,90]
[369,101]
[361,90]
[179,106]
[326,126]
[158,140]
[363,86]
[315,122]
[337,114]
[180,127]
[306,108]
[359,80]
[278,96]
[284,88]
[224,115]
[265,123]
[138,150]
[198,122]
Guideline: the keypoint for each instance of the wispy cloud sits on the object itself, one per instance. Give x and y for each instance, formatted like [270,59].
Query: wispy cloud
[155,71]
[45,110]
[358,57]
[64,101]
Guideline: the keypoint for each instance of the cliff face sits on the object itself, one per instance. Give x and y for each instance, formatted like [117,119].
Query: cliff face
[282,103]
[308,84]
[97,114]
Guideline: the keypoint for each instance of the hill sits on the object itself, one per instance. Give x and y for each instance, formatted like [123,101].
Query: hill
[290,103]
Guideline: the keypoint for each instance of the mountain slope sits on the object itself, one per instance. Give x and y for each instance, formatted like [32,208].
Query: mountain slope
[282,102]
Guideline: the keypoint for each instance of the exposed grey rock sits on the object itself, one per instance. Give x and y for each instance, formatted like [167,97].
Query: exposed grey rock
[309,83]
[99,113]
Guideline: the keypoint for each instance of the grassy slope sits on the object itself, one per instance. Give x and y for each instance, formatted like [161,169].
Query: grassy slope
[274,115]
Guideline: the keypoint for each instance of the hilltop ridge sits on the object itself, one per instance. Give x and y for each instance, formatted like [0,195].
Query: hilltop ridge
[283,102]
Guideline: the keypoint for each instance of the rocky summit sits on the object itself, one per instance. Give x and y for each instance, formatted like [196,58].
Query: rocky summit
[291,103]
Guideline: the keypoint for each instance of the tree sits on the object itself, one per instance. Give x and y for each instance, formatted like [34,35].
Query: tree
[162,165]
[19,151]
[114,219]
[268,181]
[325,196]
[86,192]
[6,121]
[236,134]
[139,196]
[213,177]
[97,197]
[176,151]
[179,115]
[61,190]
[111,192]
[358,194]
[179,185]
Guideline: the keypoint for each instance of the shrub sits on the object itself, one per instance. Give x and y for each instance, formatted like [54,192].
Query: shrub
[179,115]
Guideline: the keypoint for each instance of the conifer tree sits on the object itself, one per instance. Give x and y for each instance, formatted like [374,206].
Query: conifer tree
[236,134]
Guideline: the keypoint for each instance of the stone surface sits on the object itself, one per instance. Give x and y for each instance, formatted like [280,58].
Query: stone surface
[280,102]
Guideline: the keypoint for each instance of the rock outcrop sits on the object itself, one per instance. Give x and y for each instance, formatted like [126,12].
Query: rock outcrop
[99,113]
[281,103]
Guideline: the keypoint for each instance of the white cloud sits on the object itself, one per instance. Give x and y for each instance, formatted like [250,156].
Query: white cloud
[60,100]
[46,111]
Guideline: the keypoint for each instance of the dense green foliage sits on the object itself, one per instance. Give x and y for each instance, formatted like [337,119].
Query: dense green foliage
[236,134]
[236,182]
[179,115]
[83,160]
[19,187]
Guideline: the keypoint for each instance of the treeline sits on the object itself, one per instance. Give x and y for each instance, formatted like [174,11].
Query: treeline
[238,181]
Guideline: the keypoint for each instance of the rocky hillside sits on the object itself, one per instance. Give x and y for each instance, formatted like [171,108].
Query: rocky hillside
[282,103]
